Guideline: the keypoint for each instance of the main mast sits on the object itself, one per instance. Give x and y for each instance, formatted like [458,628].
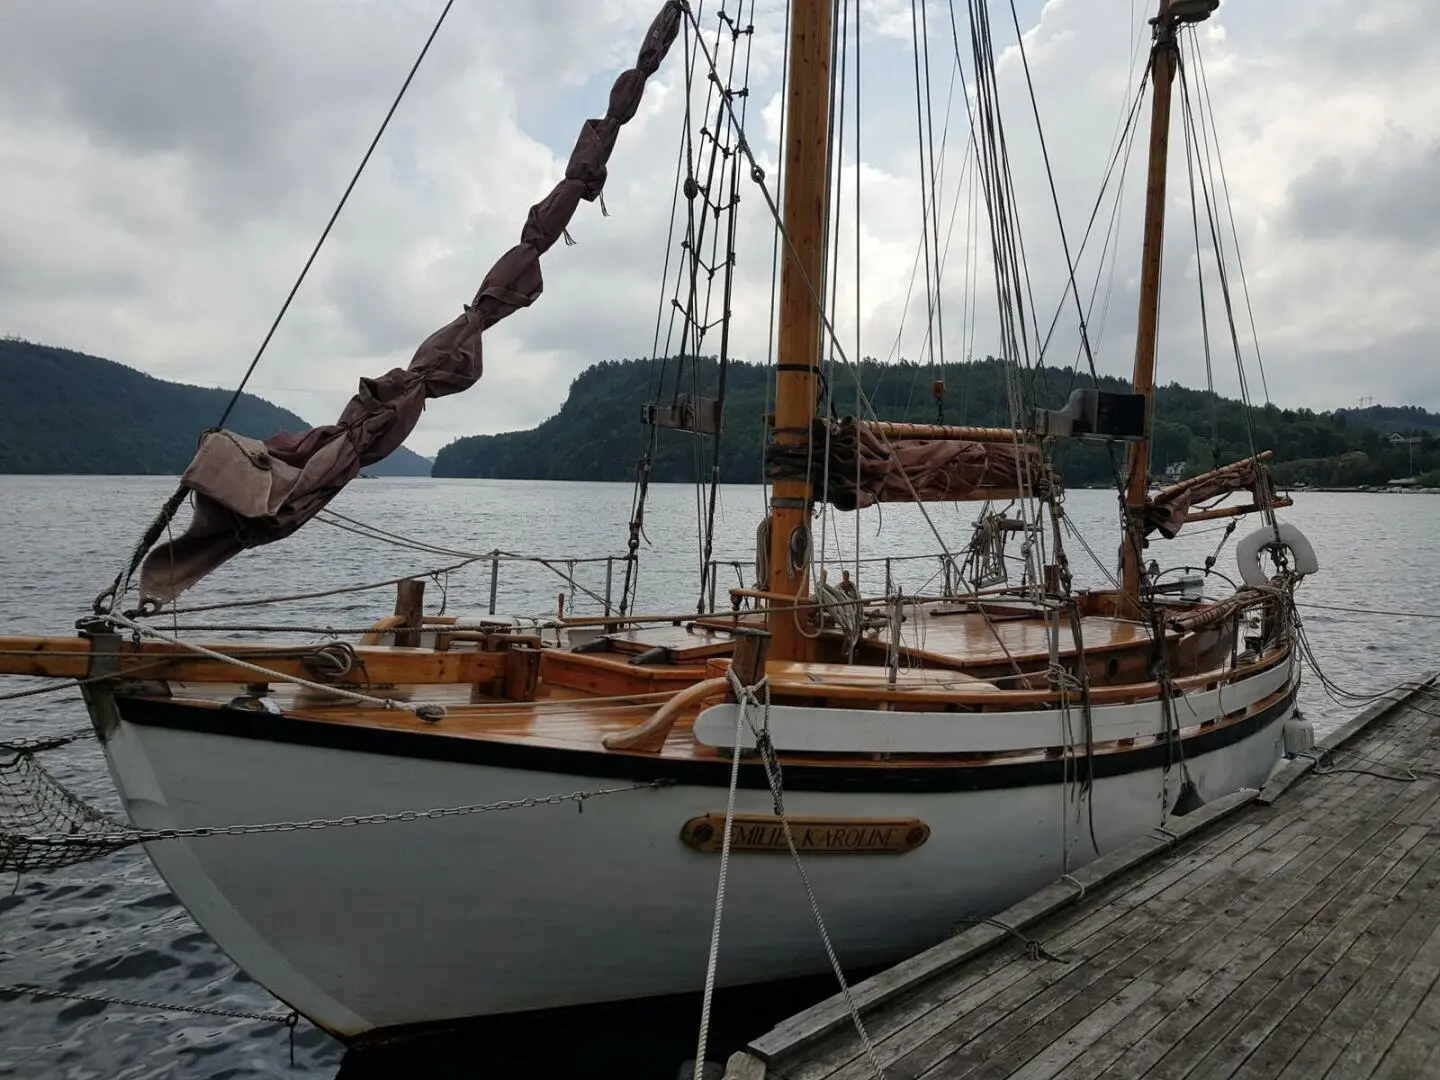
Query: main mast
[802,288]
[1164,61]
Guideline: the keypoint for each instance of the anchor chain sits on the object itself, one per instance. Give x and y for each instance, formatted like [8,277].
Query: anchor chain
[145,836]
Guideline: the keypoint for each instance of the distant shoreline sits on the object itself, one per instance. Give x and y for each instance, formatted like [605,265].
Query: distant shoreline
[1373,490]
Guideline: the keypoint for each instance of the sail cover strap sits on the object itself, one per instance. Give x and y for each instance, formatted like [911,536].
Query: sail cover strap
[249,493]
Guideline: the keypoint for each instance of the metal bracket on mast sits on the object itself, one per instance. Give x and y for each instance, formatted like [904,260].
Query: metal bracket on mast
[697,415]
[1190,11]
[1094,416]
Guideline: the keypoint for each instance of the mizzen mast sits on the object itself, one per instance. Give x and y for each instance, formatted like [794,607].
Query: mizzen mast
[1164,61]
[802,289]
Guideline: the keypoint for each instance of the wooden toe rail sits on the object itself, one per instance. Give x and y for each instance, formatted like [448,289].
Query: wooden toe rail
[71,658]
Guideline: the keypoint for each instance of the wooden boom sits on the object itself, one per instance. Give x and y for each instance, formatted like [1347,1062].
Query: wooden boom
[895,430]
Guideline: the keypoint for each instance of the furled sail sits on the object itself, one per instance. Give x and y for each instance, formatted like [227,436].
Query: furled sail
[1167,510]
[249,493]
[866,466]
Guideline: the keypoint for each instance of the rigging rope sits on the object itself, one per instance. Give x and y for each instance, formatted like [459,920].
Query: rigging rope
[757,175]
[108,599]
[1054,196]
[1212,220]
[1207,110]
[424,711]
[1191,151]
[749,700]
[713,959]
[732,168]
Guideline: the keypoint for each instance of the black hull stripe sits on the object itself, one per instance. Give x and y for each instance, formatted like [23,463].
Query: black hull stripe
[840,776]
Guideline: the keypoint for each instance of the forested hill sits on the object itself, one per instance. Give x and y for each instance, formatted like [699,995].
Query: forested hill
[1395,418]
[66,412]
[597,434]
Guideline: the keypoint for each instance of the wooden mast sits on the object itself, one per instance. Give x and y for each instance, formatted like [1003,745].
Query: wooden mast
[802,288]
[1163,57]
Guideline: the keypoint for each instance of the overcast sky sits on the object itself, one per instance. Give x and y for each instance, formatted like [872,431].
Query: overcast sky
[167,165]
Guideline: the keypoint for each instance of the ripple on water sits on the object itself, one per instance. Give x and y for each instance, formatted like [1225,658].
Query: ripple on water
[112,927]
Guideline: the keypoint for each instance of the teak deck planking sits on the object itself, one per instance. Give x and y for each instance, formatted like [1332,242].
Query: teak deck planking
[1289,933]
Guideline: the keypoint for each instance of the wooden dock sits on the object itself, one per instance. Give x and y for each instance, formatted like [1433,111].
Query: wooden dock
[1288,933]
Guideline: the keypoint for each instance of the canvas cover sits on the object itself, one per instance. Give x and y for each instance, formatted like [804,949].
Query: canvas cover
[248,493]
[1166,510]
[909,470]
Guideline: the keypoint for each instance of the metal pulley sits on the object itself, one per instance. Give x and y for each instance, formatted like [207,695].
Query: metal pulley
[799,547]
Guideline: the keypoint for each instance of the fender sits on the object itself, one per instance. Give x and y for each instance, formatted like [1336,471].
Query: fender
[1247,553]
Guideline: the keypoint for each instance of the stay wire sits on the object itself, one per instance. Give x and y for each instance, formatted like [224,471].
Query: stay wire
[835,182]
[937,301]
[650,436]
[172,505]
[1013,284]
[827,324]
[926,182]
[1111,245]
[1211,215]
[1121,156]
[1207,108]
[707,569]
[859,233]
[344,198]
[1054,197]
[1191,150]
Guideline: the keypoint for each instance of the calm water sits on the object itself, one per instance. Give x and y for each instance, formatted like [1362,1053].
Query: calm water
[110,927]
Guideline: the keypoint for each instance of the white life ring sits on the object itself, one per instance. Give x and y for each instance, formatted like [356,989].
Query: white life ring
[1247,553]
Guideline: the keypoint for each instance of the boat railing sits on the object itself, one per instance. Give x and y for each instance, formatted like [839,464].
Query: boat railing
[592,585]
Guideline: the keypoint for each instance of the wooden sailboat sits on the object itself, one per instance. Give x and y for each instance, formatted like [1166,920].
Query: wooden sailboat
[930,768]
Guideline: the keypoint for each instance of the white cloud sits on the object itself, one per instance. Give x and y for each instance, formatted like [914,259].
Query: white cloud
[168,165]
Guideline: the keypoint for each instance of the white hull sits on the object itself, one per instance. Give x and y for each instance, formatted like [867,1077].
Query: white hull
[385,925]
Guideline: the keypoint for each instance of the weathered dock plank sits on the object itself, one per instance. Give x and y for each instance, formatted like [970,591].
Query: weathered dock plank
[1286,933]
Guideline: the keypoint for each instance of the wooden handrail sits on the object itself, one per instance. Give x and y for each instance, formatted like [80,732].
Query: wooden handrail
[649,737]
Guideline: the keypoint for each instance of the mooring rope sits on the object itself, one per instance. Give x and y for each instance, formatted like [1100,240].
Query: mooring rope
[713,960]
[748,701]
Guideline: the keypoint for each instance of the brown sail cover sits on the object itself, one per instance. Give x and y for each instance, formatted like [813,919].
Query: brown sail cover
[249,493]
[911,470]
[1166,510]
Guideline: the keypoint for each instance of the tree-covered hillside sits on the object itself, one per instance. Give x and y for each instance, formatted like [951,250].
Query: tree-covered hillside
[66,412]
[1391,419]
[597,434]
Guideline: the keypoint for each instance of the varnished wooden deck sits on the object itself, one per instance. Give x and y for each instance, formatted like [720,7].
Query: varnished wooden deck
[568,721]
[972,638]
[1293,933]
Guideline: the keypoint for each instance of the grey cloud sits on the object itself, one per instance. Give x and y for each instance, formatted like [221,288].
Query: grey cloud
[168,164]
[1401,369]
[1389,193]
[1347,41]
[144,77]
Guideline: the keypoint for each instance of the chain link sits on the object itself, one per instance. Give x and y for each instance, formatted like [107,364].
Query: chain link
[289,1019]
[141,836]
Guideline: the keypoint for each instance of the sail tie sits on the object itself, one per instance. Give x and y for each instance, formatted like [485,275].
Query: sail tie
[238,507]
